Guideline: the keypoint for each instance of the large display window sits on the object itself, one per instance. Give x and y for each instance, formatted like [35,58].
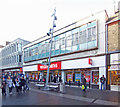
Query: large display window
[87,75]
[115,77]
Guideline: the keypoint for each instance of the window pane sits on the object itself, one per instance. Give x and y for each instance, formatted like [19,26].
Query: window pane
[82,37]
[94,33]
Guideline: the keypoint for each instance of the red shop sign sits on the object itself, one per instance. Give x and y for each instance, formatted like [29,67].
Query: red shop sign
[90,61]
[53,66]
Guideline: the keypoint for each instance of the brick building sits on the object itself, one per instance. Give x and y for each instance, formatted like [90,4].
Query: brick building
[113,50]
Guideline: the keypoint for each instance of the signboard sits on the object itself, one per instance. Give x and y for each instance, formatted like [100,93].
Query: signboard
[53,66]
[78,77]
[115,58]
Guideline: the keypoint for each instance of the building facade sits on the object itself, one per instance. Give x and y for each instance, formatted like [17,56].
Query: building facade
[78,50]
[113,27]
[11,57]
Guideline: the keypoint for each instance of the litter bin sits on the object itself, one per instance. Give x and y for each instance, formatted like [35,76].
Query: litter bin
[62,87]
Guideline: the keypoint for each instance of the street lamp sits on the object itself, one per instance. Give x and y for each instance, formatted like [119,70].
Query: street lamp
[50,33]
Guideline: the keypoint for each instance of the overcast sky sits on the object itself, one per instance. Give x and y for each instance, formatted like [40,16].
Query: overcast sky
[31,19]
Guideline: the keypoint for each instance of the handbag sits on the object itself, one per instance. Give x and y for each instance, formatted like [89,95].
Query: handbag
[83,87]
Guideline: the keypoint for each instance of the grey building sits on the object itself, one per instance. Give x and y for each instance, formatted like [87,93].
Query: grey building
[11,56]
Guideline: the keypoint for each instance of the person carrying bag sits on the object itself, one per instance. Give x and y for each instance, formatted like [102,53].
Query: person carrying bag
[83,83]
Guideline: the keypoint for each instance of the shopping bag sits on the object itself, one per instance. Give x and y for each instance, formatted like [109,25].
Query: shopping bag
[83,87]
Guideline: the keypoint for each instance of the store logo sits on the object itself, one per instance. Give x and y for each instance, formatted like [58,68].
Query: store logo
[90,61]
[53,66]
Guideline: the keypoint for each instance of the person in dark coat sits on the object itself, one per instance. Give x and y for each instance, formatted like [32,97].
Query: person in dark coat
[102,80]
[54,79]
[84,83]
[3,87]
[22,83]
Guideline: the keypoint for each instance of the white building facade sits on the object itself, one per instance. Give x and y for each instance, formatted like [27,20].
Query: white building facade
[78,50]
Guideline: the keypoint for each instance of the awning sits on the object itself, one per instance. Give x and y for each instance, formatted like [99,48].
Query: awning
[114,68]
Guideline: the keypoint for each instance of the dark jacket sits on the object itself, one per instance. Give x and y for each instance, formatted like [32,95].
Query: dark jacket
[23,82]
[102,80]
[84,81]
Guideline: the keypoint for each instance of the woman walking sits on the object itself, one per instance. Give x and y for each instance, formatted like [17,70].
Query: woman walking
[17,85]
[10,84]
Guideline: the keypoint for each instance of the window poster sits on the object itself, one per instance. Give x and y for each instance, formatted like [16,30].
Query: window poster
[78,77]
[87,76]
[69,77]
[95,77]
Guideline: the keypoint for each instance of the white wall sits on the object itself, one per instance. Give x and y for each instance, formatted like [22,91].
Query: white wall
[30,68]
[83,63]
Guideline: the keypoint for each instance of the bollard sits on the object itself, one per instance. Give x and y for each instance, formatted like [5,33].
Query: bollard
[62,88]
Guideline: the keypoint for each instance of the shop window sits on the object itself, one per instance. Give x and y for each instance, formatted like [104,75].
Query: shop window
[69,77]
[95,77]
[78,77]
[87,76]
[115,77]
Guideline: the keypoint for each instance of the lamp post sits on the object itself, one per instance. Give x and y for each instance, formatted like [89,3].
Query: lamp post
[50,48]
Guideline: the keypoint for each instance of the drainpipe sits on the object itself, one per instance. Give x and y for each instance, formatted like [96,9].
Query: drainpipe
[107,56]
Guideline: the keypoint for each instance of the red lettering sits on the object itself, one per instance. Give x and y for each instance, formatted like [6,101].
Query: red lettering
[53,66]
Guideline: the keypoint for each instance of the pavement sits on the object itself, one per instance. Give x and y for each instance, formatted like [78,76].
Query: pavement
[71,96]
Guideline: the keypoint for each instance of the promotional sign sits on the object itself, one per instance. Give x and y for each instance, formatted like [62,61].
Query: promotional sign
[95,77]
[69,77]
[87,76]
[53,66]
[78,77]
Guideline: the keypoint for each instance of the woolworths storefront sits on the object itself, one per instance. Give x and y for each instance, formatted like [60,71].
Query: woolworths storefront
[74,70]
[92,68]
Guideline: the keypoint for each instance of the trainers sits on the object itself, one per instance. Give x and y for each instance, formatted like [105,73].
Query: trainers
[11,93]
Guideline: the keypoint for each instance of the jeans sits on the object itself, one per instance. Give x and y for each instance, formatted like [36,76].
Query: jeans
[103,85]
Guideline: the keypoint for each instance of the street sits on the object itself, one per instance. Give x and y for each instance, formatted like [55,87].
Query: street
[73,96]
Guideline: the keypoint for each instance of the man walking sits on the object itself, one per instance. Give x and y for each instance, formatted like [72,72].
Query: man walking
[102,80]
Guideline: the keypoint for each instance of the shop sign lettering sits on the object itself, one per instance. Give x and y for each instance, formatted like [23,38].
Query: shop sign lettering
[90,61]
[53,66]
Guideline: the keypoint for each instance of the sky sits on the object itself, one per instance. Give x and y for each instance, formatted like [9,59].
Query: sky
[31,19]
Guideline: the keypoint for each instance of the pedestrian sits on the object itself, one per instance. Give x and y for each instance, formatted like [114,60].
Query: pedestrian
[17,82]
[3,86]
[13,80]
[102,80]
[54,79]
[69,82]
[10,84]
[23,82]
[78,83]
[84,83]
[60,79]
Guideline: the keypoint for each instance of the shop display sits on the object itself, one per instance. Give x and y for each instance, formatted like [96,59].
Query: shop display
[69,77]
[78,77]
[95,77]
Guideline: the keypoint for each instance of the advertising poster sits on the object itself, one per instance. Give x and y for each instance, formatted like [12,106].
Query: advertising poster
[78,77]
[95,77]
[87,76]
[69,77]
